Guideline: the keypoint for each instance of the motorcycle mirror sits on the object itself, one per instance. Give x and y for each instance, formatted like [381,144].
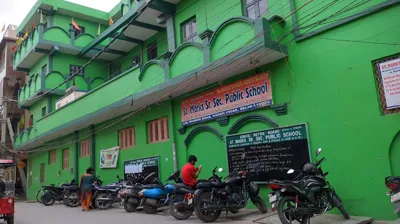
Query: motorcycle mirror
[319,151]
[220,170]
[290,171]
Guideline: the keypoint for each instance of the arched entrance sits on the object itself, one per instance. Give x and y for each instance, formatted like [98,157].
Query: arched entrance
[208,147]
[394,155]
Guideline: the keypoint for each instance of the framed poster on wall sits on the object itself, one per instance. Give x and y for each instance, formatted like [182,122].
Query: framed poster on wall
[269,153]
[387,75]
[109,157]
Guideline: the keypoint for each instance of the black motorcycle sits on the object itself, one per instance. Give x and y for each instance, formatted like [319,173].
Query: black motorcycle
[211,198]
[181,198]
[71,196]
[135,184]
[105,196]
[51,193]
[308,194]
[393,183]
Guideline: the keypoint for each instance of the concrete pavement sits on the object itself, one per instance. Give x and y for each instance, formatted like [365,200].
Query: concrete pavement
[35,213]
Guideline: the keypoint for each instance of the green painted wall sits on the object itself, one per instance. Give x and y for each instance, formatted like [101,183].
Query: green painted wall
[328,84]
[64,22]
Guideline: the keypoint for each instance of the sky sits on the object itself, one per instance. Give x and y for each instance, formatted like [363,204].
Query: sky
[14,11]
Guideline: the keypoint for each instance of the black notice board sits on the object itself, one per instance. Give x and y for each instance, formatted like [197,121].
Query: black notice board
[142,165]
[275,150]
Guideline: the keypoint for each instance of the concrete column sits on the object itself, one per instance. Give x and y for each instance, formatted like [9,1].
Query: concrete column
[76,157]
[92,147]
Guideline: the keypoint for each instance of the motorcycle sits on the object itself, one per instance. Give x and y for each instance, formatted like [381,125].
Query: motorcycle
[105,196]
[52,193]
[211,198]
[71,192]
[181,197]
[154,196]
[131,192]
[308,194]
[393,183]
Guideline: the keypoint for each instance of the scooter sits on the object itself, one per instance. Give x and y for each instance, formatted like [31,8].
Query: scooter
[130,194]
[154,196]
[393,183]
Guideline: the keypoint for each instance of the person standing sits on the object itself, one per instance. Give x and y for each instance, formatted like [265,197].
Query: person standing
[190,173]
[86,187]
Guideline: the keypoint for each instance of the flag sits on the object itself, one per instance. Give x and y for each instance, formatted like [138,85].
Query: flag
[4,27]
[22,123]
[111,21]
[41,16]
[26,34]
[75,25]
[98,31]
[19,41]
[14,48]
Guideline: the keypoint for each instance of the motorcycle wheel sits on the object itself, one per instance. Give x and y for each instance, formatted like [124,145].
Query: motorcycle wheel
[260,204]
[149,209]
[47,199]
[283,213]
[10,220]
[39,195]
[129,206]
[180,213]
[73,200]
[101,203]
[206,216]
[344,213]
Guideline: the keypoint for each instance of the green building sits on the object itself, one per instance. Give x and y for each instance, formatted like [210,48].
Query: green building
[170,78]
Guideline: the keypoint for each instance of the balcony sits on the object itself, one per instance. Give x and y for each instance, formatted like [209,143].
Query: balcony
[221,55]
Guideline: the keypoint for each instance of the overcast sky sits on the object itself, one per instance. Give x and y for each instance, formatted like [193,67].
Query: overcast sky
[14,11]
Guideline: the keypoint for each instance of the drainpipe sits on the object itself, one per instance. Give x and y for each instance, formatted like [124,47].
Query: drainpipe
[76,163]
[172,127]
[92,146]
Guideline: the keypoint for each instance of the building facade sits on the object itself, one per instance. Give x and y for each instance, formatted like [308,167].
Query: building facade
[178,77]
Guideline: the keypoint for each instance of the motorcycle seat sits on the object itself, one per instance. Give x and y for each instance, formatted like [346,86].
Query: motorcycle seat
[182,185]
[218,184]
[148,186]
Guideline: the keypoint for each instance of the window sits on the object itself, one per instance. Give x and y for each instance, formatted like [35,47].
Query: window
[255,8]
[77,32]
[135,61]
[85,148]
[157,130]
[42,171]
[44,111]
[127,138]
[44,70]
[190,30]
[30,172]
[152,51]
[31,120]
[53,156]
[65,159]
[76,70]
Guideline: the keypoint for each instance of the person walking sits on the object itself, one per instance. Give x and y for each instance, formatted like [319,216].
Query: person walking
[86,187]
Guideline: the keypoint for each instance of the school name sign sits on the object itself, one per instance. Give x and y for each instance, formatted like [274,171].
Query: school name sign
[244,95]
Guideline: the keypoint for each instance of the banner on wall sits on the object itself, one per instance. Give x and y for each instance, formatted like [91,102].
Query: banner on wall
[244,95]
[390,74]
[109,157]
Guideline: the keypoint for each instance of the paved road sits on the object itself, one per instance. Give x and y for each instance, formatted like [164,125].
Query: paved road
[34,213]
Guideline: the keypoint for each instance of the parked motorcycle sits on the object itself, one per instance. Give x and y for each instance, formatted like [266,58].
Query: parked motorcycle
[154,196]
[181,197]
[308,194]
[52,193]
[393,183]
[131,193]
[211,198]
[105,196]
[71,192]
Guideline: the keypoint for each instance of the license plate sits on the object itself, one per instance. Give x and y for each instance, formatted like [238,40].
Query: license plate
[272,198]
[395,198]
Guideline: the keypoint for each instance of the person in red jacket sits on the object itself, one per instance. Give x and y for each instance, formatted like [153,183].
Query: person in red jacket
[190,173]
